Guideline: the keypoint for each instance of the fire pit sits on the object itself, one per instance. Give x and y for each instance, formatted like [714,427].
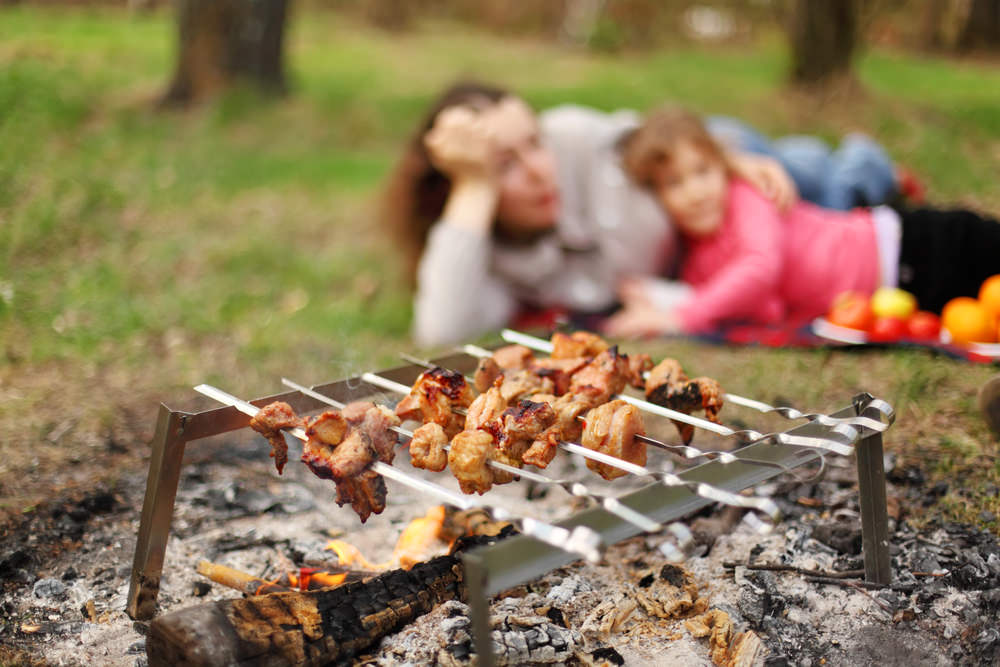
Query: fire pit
[542,547]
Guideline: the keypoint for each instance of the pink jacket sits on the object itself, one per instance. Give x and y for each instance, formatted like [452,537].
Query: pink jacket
[762,266]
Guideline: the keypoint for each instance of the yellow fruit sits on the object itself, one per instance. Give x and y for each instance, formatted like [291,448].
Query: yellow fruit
[893,302]
[968,321]
[989,295]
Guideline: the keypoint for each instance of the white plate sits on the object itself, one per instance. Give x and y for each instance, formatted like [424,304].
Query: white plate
[823,328]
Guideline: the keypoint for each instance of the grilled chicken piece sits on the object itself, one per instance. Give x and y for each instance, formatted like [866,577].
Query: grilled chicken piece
[434,397]
[560,371]
[519,425]
[366,492]
[611,429]
[486,408]
[602,378]
[669,386]
[269,422]
[487,371]
[427,448]
[470,451]
[577,344]
[520,384]
[513,357]
[324,432]
[567,428]
[355,411]
[377,424]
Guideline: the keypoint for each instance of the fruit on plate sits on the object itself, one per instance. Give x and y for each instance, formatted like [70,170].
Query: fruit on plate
[851,309]
[893,302]
[923,325]
[885,329]
[968,321]
[989,295]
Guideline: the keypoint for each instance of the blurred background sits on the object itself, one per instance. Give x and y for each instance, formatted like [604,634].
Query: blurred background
[186,187]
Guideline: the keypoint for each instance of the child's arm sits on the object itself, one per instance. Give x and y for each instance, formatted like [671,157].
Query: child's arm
[739,281]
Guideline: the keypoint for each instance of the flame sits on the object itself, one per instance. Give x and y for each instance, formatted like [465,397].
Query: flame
[419,540]
[348,554]
[309,575]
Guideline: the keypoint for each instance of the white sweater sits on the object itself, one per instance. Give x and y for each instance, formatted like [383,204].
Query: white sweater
[469,283]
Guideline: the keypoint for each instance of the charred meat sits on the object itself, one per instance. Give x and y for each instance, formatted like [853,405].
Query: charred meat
[602,378]
[269,422]
[434,397]
[669,386]
[577,344]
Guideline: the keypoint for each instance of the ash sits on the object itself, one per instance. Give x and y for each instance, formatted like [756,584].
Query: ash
[65,572]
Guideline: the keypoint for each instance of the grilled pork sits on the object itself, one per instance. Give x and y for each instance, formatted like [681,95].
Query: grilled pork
[611,429]
[434,397]
[269,422]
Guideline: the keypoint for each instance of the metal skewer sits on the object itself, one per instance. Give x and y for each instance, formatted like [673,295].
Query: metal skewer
[581,540]
[609,503]
[883,407]
[765,505]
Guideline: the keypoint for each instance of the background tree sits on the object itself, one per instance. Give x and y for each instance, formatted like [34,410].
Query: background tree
[824,37]
[982,26]
[222,41]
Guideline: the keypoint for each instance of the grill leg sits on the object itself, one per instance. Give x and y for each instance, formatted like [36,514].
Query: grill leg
[157,512]
[479,609]
[874,515]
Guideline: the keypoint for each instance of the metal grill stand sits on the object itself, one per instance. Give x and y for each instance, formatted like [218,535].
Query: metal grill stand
[511,562]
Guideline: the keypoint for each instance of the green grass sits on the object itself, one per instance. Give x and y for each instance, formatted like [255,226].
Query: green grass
[143,251]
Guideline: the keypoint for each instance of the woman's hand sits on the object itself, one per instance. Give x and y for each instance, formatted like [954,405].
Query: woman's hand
[461,144]
[639,320]
[767,175]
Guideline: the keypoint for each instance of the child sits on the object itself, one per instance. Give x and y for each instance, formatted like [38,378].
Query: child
[745,261]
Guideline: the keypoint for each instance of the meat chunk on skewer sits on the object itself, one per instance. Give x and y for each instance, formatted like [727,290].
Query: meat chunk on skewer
[485,409]
[434,397]
[427,448]
[365,492]
[638,366]
[324,433]
[269,422]
[487,371]
[519,426]
[377,425]
[577,344]
[603,377]
[468,457]
[669,386]
[520,384]
[559,371]
[567,428]
[611,429]
[513,357]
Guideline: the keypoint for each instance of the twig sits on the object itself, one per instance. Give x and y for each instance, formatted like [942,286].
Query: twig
[777,567]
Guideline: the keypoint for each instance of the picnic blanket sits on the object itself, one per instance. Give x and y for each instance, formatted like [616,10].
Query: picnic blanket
[796,335]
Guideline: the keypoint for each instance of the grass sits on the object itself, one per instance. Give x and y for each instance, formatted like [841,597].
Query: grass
[142,251]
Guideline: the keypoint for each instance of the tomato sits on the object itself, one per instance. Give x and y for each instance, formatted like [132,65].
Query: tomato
[851,309]
[887,329]
[924,325]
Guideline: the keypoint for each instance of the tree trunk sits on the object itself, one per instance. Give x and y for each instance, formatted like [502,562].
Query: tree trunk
[982,27]
[933,13]
[823,36]
[221,41]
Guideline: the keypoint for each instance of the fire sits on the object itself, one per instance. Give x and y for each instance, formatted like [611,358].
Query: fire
[418,542]
[348,554]
[312,575]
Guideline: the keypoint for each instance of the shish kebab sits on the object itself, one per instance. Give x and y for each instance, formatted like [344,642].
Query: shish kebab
[609,503]
[581,541]
[886,410]
[765,505]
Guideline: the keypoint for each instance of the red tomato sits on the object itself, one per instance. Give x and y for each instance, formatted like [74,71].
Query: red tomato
[887,329]
[924,325]
[852,310]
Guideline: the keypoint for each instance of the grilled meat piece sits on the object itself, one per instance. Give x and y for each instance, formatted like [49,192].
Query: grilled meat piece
[638,366]
[560,371]
[434,397]
[468,457]
[365,492]
[669,386]
[519,425]
[611,429]
[520,384]
[324,432]
[487,371]
[567,428]
[269,422]
[602,378]
[486,408]
[513,357]
[377,424]
[427,448]
[577,344]
[355,411]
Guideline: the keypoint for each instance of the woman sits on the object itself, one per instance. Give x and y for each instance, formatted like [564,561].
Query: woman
[499,209]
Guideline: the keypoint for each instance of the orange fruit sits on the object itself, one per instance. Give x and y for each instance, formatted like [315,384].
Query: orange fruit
[989,295]
[968,321]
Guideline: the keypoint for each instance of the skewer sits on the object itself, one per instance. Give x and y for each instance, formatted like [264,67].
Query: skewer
[609,503]
[765,505]
[883,407]
[581,540]
[846,433]
[686,450]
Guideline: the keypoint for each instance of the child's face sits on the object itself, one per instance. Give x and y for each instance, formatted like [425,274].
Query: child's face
[692,187]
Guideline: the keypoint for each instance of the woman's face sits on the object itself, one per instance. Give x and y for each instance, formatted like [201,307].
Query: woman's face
[526,171]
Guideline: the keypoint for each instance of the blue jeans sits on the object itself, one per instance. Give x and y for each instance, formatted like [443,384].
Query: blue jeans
[856,173]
